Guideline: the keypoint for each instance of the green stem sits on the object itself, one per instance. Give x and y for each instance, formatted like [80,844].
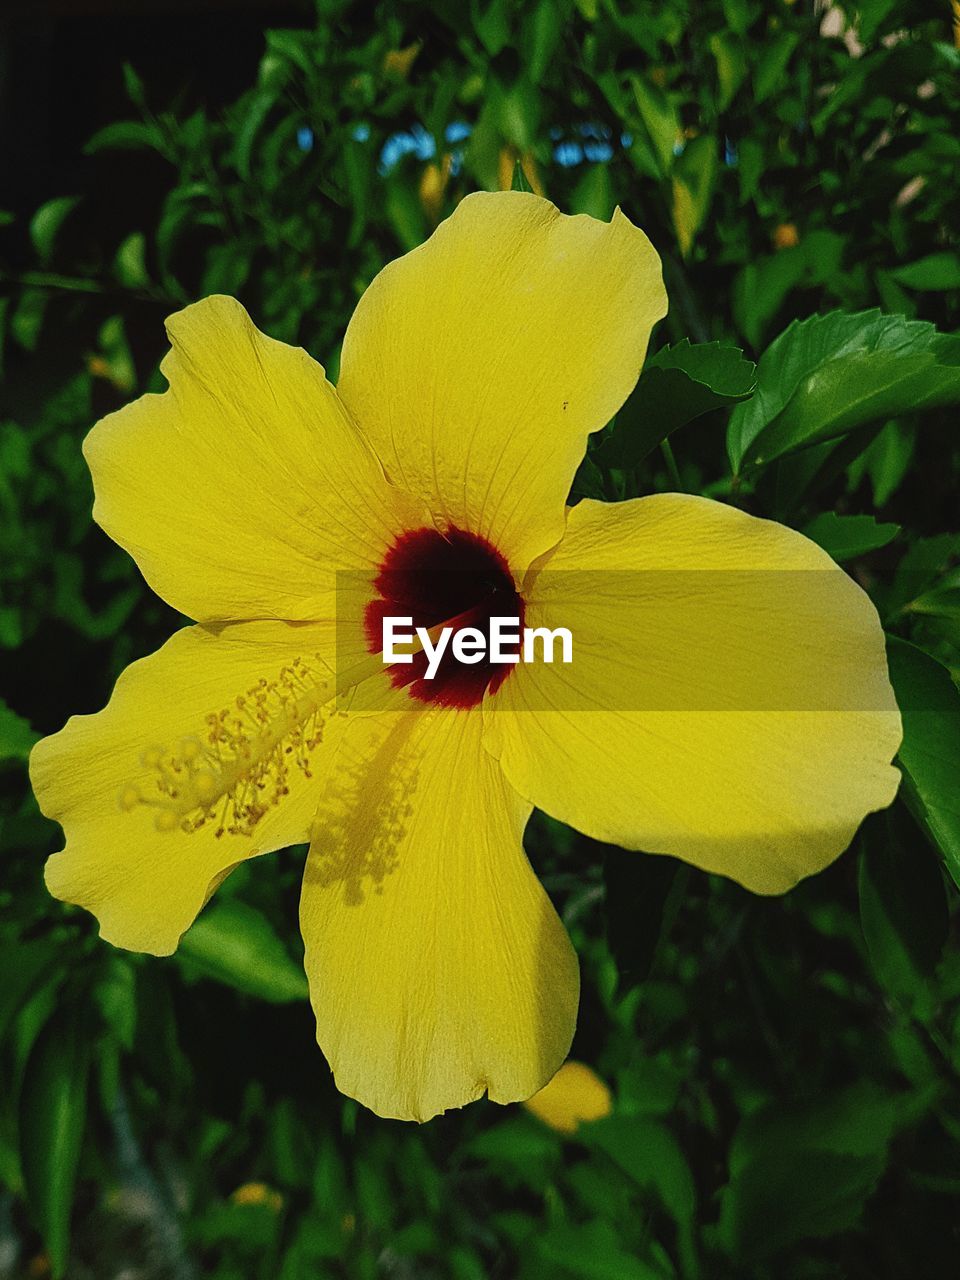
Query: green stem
[79,284]
[672,470]
[50,280]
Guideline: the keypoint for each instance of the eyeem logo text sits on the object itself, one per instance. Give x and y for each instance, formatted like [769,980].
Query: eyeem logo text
[507,642]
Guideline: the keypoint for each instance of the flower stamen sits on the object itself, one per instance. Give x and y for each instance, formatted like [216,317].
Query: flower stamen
[241,765]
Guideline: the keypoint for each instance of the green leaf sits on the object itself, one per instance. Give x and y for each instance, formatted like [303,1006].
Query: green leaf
[929,756]
[234,944]
[648,1152]
[728,53]
[116,352]
[651,1086]
[943,602]
[771,68]
[903,908]
[491,22]
[126,135]
[228,266]
[937,272]
[482,155]
[921,570]
[659,119]
[405,212]
[847,536]
[520,1149]
[358,174]
[942,599]
[26,320]
[542,34]
[825,376]
[885,461]
[513,1141]
[593,194]
[294,46]
[134,86]
[46,223]
[16,736]
[588,482]
[636,892]
[694,177]
[115,996]
[130,264]
[678,384]
[871,14]
[751,166]
[795,478]
[517,108]
[52,1110]
[591,1251]
[738,15]
[25,965]
[259,107]
[761,287]
[804,1172]
[519,182]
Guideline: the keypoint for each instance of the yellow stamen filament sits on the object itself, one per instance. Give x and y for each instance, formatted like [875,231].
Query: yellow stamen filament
[240,766]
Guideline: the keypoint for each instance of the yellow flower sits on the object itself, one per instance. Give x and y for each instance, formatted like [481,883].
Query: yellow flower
[398,62]
[739,718]
[786,236]
[574,1095]
[433,186]
[258,1193]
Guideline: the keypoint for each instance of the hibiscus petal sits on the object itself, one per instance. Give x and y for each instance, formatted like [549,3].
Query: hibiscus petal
[242,488]
[728,699]
[477,364]
[438,968]
[146,885]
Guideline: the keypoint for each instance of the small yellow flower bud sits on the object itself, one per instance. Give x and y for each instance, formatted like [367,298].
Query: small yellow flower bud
[575,1094]
[397,62]
[786,236]
[258,1193]
[433,184]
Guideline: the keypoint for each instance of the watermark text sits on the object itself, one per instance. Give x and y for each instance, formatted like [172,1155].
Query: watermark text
[507,642]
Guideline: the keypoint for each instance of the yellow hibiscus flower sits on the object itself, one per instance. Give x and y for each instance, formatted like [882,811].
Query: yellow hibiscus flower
[575,1095]
[257,498]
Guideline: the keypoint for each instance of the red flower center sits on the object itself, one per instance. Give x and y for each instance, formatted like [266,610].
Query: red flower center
[454,578]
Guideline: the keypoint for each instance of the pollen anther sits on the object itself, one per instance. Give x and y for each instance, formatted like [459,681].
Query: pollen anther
[129,798]
[240,766]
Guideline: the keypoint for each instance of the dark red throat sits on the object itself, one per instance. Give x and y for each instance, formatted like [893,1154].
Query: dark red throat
[452,577]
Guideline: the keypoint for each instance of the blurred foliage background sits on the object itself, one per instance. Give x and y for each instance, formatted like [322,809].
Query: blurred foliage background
[783,1072]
